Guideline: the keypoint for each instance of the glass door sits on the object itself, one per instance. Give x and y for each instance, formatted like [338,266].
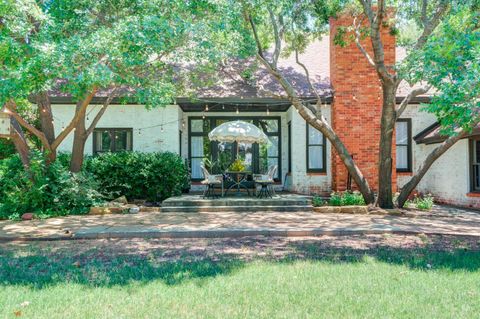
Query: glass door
[258,158]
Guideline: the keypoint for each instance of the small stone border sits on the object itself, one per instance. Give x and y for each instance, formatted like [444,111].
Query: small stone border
[232,233]
[362,210]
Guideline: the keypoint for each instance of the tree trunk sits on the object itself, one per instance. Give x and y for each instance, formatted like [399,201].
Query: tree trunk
[46,116]
[323,126]
[310,114]
[79,139]
[385,160]
[408,188]
[20,143]
[81,134]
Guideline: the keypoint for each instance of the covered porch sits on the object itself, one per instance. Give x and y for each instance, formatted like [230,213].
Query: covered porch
[301,154]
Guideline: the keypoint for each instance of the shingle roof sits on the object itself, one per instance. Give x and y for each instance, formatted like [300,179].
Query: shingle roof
[232,81]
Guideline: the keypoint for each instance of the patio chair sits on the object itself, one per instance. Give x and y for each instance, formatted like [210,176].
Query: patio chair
[266,181]
[210,181]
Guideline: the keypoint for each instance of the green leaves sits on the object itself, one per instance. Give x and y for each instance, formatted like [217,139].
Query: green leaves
[120,43]
[450,63]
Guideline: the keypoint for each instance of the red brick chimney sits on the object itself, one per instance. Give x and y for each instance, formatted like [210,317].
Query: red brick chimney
[357,104]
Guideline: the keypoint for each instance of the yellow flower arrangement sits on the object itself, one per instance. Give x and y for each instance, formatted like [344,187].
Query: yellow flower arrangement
[237,166]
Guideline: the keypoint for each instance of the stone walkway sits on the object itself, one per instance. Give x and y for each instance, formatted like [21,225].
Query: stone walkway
[442,220]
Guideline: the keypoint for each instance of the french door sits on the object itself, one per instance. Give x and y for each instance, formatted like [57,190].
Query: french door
[257,158]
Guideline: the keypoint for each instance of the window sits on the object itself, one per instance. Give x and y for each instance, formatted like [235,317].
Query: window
[258,158]
[475,165]
[199,145]
[112,140]
[403,134]
[289,147]
[316,150]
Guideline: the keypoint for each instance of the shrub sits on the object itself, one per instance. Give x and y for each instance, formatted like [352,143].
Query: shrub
[151,176]
[346,199]
[7,148]
[421,202]
[317,201]
[47,192]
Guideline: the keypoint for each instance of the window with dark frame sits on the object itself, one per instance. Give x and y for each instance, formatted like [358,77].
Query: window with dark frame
[403,136]
[112,140]
[316,150]
[261,157]
[289,147]
[475,165]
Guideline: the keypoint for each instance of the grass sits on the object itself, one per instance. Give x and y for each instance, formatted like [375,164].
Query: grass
[307,280]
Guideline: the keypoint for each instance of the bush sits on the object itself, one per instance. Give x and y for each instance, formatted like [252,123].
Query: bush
[421,202]
[317,201]
[7,148]
[47,192]
[346,199]
[150,176]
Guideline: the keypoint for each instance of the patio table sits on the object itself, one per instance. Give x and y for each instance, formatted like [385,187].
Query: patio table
[237,178]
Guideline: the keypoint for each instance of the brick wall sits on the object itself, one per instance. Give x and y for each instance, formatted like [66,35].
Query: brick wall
[356,109]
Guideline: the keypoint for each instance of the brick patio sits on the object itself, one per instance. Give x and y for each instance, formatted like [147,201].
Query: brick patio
[442,220]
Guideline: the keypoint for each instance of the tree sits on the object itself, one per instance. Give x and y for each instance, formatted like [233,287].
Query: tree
[450,66]
[428,15]
[128,49]
[289,26]
[28,68]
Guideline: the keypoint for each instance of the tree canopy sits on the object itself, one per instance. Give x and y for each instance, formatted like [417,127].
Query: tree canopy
[450,64]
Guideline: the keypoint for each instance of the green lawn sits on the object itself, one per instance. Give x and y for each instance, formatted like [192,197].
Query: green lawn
[308,281]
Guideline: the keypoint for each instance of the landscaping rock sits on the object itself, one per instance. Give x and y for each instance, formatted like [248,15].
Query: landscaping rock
[114,208]
[139,202]
[134,210]
[341,209]
[121,200]
[106,210]
[27,216]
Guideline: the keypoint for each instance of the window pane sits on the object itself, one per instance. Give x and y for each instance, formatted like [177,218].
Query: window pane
[315,157]
[98,141]
[272,149]
[197,146]
[106,140]
[402,132]
[197,126]
[270,126]
[196,171]
[477,152]
[122,141]
[402,157]
[245,153]
[314,136]
[273,161]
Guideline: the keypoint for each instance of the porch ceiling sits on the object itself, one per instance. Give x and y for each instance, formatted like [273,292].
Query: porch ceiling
[243,105]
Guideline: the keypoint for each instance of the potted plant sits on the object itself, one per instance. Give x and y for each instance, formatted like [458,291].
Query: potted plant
[237,166]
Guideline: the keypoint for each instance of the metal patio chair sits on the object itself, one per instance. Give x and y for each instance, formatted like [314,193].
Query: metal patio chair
[211,181]
[266,182]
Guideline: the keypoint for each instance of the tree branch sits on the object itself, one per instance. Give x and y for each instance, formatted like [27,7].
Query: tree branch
[81,107]
[403,105]
[278,43]
[430,25]
[408,188]
[10,110]
[359,45]
[99,115]
[376,22]
[249,19]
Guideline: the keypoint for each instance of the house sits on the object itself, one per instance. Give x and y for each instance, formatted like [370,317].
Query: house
[351,101]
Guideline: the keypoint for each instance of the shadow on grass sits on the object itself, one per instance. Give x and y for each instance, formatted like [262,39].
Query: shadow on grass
[95,267]
[415,258]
